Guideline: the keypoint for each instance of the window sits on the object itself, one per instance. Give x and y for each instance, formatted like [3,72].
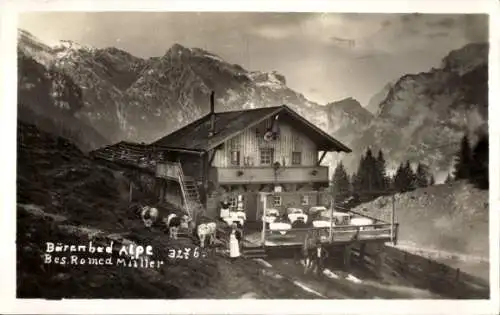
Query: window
[233,201]
[239,205]
[266,156]
[296,158]
[235,158]
[304,200]
[277,198]
[277,201]
[236,202]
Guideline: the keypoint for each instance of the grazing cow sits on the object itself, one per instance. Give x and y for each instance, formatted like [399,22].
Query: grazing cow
[205,230]
[172,223]
[149,215]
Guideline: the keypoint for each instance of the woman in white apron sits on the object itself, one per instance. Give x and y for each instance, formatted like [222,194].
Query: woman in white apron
[234,244]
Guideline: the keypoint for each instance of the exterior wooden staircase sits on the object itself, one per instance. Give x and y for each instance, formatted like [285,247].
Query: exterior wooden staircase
[190,192]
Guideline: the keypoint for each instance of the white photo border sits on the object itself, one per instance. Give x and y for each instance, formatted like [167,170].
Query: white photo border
[8,88]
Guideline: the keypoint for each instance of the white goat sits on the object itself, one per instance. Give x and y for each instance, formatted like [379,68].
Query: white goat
[205,230]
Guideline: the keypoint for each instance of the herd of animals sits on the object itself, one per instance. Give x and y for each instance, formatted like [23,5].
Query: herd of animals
[205,232]
[313,254]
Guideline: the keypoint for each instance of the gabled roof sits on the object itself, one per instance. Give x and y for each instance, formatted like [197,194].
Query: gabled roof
[194,136]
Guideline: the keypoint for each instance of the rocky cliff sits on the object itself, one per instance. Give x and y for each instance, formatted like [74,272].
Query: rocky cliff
[424,115]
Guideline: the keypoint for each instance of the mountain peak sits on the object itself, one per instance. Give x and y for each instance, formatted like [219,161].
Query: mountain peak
[67,44]
[346,103]
[176,49]
[22,32]
[273,78]
[350,106]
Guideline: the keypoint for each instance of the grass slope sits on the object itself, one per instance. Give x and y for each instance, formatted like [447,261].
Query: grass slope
[63,196]
[449,217]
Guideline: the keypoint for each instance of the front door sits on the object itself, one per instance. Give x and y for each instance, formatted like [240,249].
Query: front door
[251,206]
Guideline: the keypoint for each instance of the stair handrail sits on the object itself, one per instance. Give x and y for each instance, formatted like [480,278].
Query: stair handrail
[180,175]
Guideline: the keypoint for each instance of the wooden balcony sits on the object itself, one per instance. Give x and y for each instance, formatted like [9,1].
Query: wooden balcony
[168,170]
[264,175]
[380,232]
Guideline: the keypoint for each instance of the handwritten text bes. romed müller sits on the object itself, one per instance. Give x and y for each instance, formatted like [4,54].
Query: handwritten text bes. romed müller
[134,256]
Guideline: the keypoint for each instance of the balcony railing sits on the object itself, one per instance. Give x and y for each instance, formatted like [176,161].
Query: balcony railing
[290,174]
[339,234]
[169,170]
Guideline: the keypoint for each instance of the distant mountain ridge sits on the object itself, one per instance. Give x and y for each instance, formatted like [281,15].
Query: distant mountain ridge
[135,99]
[128,98]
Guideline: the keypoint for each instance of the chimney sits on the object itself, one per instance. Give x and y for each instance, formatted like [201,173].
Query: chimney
[211,131]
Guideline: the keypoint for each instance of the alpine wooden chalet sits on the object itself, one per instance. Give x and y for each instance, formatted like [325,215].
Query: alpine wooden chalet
[236,155]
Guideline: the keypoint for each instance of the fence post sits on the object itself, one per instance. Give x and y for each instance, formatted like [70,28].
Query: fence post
[330,236]
[347,256]
[393,219]
[130,191]
[264,206]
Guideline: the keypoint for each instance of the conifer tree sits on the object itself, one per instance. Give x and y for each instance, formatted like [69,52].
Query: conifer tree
[480,163]
[409,177]
[463,160]
[382,179]
[352,179]
[356,179]
[341,184]
[432,180]
[421,176]
[369,176]
[399,181]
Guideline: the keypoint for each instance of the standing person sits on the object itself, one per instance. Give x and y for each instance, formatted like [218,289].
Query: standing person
[224,211]
[321,255]
[234,244]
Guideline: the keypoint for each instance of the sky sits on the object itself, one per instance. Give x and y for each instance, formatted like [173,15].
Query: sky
[325,56]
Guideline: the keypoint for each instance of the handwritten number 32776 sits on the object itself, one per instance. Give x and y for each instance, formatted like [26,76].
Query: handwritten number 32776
[184,253]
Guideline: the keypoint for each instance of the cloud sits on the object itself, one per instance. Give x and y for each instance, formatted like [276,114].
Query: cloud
[273,32]
[382,33]
[446,22]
